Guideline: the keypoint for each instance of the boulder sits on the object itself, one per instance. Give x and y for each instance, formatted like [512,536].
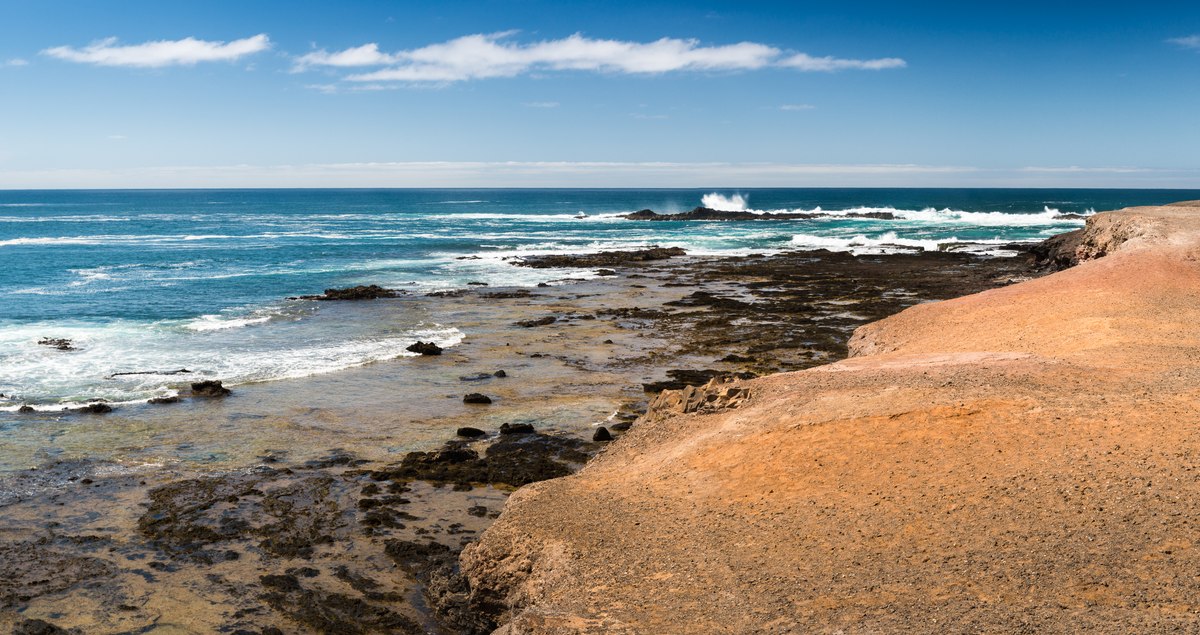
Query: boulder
[209,388]
[424,348]
[516,428]
[477,398]
[602,434]
[470,433]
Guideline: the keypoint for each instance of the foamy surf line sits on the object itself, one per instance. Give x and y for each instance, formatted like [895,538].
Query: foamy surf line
[124,363]
[928,215]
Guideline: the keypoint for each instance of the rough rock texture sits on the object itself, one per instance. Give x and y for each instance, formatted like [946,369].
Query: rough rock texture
[602,259]
[1019,460]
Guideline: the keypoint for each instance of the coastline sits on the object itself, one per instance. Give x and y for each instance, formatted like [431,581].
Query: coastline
[1014,460]
[755,315]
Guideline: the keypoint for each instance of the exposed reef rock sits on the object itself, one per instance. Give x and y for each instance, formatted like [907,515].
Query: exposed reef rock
[360,292]
[602,259]
[709,214]
[210,388]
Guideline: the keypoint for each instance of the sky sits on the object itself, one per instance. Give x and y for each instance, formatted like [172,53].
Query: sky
[533,93]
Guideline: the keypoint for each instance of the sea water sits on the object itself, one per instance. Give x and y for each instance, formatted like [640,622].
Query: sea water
[155,281]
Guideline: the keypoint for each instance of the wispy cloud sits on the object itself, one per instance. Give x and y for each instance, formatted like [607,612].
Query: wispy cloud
[796,107]
[159,53]
[482,56]
[1188,42]
[805,62]
[541,104]
[642,115]
[16,61]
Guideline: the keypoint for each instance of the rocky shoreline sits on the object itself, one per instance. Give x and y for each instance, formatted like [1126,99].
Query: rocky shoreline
[343,543]
[1017,460]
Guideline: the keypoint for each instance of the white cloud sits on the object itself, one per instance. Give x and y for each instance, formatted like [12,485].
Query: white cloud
[16,61]
[482,56]
[1189,42]
[796,107]
[805,62]
[117,137]
[365,55]
[185,52]
[542,104]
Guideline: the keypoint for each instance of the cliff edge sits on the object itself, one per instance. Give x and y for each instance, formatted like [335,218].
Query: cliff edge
[1026,459]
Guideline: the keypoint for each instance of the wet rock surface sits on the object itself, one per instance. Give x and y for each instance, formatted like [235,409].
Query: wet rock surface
[210,389]
[57,343]
[602,259]
[361,292]
[424,348]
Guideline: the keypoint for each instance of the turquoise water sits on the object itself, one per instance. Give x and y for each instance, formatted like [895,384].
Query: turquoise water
[160,280]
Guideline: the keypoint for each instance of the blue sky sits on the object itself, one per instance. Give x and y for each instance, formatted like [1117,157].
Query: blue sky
[532,93]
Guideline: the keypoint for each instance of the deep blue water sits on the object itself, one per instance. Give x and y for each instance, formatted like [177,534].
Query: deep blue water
[164,279]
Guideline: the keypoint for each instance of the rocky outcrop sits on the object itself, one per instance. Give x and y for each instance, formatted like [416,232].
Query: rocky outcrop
[1018,460]
[709,214]
[360,292]
[1102,235]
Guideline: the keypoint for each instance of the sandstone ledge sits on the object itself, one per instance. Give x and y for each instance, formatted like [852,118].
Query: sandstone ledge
[1022,459]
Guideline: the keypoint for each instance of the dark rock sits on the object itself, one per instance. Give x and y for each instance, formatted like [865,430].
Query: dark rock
[602,259]
[500,373]
[39,627]
[549,319]
[181,371]
[96,409]
[163,400]
[470,433]
[478,511]
[542,284]
[361,292]
[59,343]
[209,388]
[622,426]
[424,348]
[450,293]
[477,284]
[736,359]
[602,434]
[605,272]
[709,214]
[607,342]
[476,377]
[1057,252]
[477,398]
[680,379]
[516,428]
[507,295]
[26,408]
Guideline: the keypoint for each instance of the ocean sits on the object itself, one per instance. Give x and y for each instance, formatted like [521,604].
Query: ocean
[160,280]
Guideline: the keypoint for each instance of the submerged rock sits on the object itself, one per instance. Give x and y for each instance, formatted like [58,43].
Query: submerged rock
[516,428]
[59,343]
[542,321]
[470,432]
